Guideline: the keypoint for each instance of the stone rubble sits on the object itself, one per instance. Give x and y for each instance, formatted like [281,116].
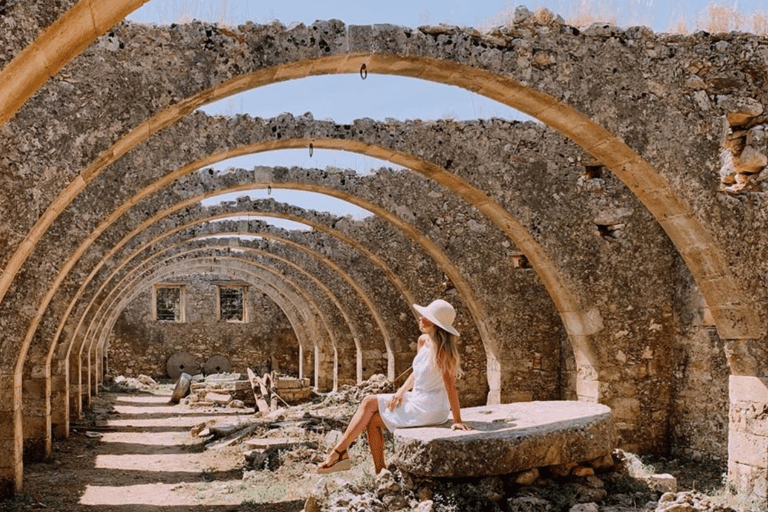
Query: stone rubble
[393,491]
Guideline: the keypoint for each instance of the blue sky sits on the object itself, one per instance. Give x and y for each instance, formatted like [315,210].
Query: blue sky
[344,98]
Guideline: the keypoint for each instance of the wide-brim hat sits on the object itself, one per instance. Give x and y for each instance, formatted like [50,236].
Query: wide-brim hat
[440,313]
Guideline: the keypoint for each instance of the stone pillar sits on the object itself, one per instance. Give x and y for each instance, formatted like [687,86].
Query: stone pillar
[748,436]
[35,409]
[75,386]
[325,368]
[493,370]
[59,401]
[85,380]
[98,366]
[11,438]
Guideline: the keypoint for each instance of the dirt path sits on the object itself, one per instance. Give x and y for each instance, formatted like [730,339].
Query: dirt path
[140,456]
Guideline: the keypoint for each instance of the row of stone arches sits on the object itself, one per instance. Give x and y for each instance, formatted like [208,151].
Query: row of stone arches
[454,58]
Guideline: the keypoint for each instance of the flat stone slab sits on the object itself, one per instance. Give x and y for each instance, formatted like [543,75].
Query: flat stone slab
[508,438]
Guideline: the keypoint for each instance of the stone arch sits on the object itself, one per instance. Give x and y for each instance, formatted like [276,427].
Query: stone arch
[316,225]
[741,331]
[57,45]
[366,300]
[429,247]
[692,240]
[82,374]
[258,272]
[124,286]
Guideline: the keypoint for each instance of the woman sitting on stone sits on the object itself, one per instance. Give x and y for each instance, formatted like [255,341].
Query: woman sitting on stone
[433,395]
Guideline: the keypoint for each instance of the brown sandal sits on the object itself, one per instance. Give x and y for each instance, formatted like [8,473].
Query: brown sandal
[340,464]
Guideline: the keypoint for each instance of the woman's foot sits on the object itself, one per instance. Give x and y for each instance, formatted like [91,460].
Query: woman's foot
[332,464]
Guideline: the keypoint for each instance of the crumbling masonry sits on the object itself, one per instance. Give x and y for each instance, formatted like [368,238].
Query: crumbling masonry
[614,251]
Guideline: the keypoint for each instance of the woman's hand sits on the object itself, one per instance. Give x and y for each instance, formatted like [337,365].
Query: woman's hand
[460,426]
[396,400]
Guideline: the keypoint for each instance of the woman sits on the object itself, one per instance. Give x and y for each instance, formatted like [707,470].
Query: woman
[433,395]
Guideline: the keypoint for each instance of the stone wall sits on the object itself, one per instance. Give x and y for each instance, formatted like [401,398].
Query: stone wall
[613,252]
[142,345]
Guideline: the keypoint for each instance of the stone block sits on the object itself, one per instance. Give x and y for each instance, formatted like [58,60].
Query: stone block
[35,427]
[218,398]
[508,438]
[748,449]
[663,482]
[744,388]
[748,480]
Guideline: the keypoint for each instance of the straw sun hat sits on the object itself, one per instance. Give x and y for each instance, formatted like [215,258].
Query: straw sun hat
[440,313]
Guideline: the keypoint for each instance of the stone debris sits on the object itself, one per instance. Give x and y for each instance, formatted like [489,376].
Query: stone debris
[394,490]
[376,384]
[140,383]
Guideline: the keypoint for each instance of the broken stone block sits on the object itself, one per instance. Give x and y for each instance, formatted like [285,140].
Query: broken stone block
[222,430]
[583,471]
[218,398]
[751,160]
[740,110]
[662,483]
[195,431]
[257,459]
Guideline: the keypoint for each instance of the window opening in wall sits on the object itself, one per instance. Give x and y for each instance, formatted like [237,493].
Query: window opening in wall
[232,304]
[169,303]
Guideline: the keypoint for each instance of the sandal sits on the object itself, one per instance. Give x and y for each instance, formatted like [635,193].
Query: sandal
[340,464]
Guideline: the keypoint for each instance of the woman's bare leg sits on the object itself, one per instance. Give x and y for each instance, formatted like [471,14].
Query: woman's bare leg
[376,441]
[365,411]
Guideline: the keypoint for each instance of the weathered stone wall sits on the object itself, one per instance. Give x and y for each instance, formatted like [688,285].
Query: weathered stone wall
[142,345]
[647,287]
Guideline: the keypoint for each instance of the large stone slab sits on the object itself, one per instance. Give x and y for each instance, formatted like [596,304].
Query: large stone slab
[508,438]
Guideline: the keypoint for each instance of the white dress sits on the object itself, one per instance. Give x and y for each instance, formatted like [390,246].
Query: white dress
[427,403]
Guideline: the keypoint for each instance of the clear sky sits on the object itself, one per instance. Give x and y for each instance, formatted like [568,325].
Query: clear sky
[344,98]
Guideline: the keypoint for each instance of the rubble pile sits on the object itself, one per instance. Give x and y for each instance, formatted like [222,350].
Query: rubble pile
[612,489]
[220,389]
[377,383]
[140,383]
[291,389]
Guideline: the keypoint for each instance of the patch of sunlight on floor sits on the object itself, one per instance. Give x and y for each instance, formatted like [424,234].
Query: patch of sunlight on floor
[157,494]
[181,421]
[143,399]
[155,439]
[162,463]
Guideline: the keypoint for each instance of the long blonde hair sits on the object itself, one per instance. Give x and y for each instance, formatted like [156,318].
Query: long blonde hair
[446,354]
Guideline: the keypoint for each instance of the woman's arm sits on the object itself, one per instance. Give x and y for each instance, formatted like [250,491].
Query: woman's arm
[453,398]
